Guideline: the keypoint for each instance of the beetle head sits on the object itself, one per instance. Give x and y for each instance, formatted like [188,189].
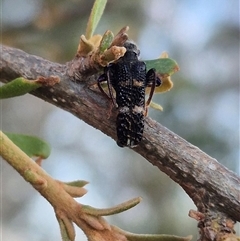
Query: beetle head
[132,49]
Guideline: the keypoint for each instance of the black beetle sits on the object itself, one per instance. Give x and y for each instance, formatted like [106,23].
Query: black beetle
[129,78]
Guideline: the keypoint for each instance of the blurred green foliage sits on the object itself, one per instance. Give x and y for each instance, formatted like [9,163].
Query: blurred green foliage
[31,145]
[203,106]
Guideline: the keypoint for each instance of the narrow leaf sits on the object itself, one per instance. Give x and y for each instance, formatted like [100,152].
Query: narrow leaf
[156,106]
[77,183]
[32,146]
[106,41]
[95,16]
[17,87]
[113,210]
[93,221]
[67,229]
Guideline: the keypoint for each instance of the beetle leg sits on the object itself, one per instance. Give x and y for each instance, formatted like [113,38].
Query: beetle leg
[158,81]
[101,79]
[110,90]
[151,80]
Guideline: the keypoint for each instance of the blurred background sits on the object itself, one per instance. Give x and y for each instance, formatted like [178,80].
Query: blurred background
[203,108]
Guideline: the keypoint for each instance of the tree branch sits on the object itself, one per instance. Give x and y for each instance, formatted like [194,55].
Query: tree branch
[211,186]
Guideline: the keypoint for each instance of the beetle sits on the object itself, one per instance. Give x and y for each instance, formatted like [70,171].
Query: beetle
[129,78]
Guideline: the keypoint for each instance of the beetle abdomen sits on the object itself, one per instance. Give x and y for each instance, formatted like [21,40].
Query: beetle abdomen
[130,125]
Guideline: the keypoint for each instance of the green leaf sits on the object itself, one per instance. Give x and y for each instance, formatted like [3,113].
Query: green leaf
[17,87]
[106,41]
[156,106]
[95,16]
[113,210]
[163,66]
[77,183]
[66,228]
[31,145]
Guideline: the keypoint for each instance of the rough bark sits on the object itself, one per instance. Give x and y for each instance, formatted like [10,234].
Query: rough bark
[212,187]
